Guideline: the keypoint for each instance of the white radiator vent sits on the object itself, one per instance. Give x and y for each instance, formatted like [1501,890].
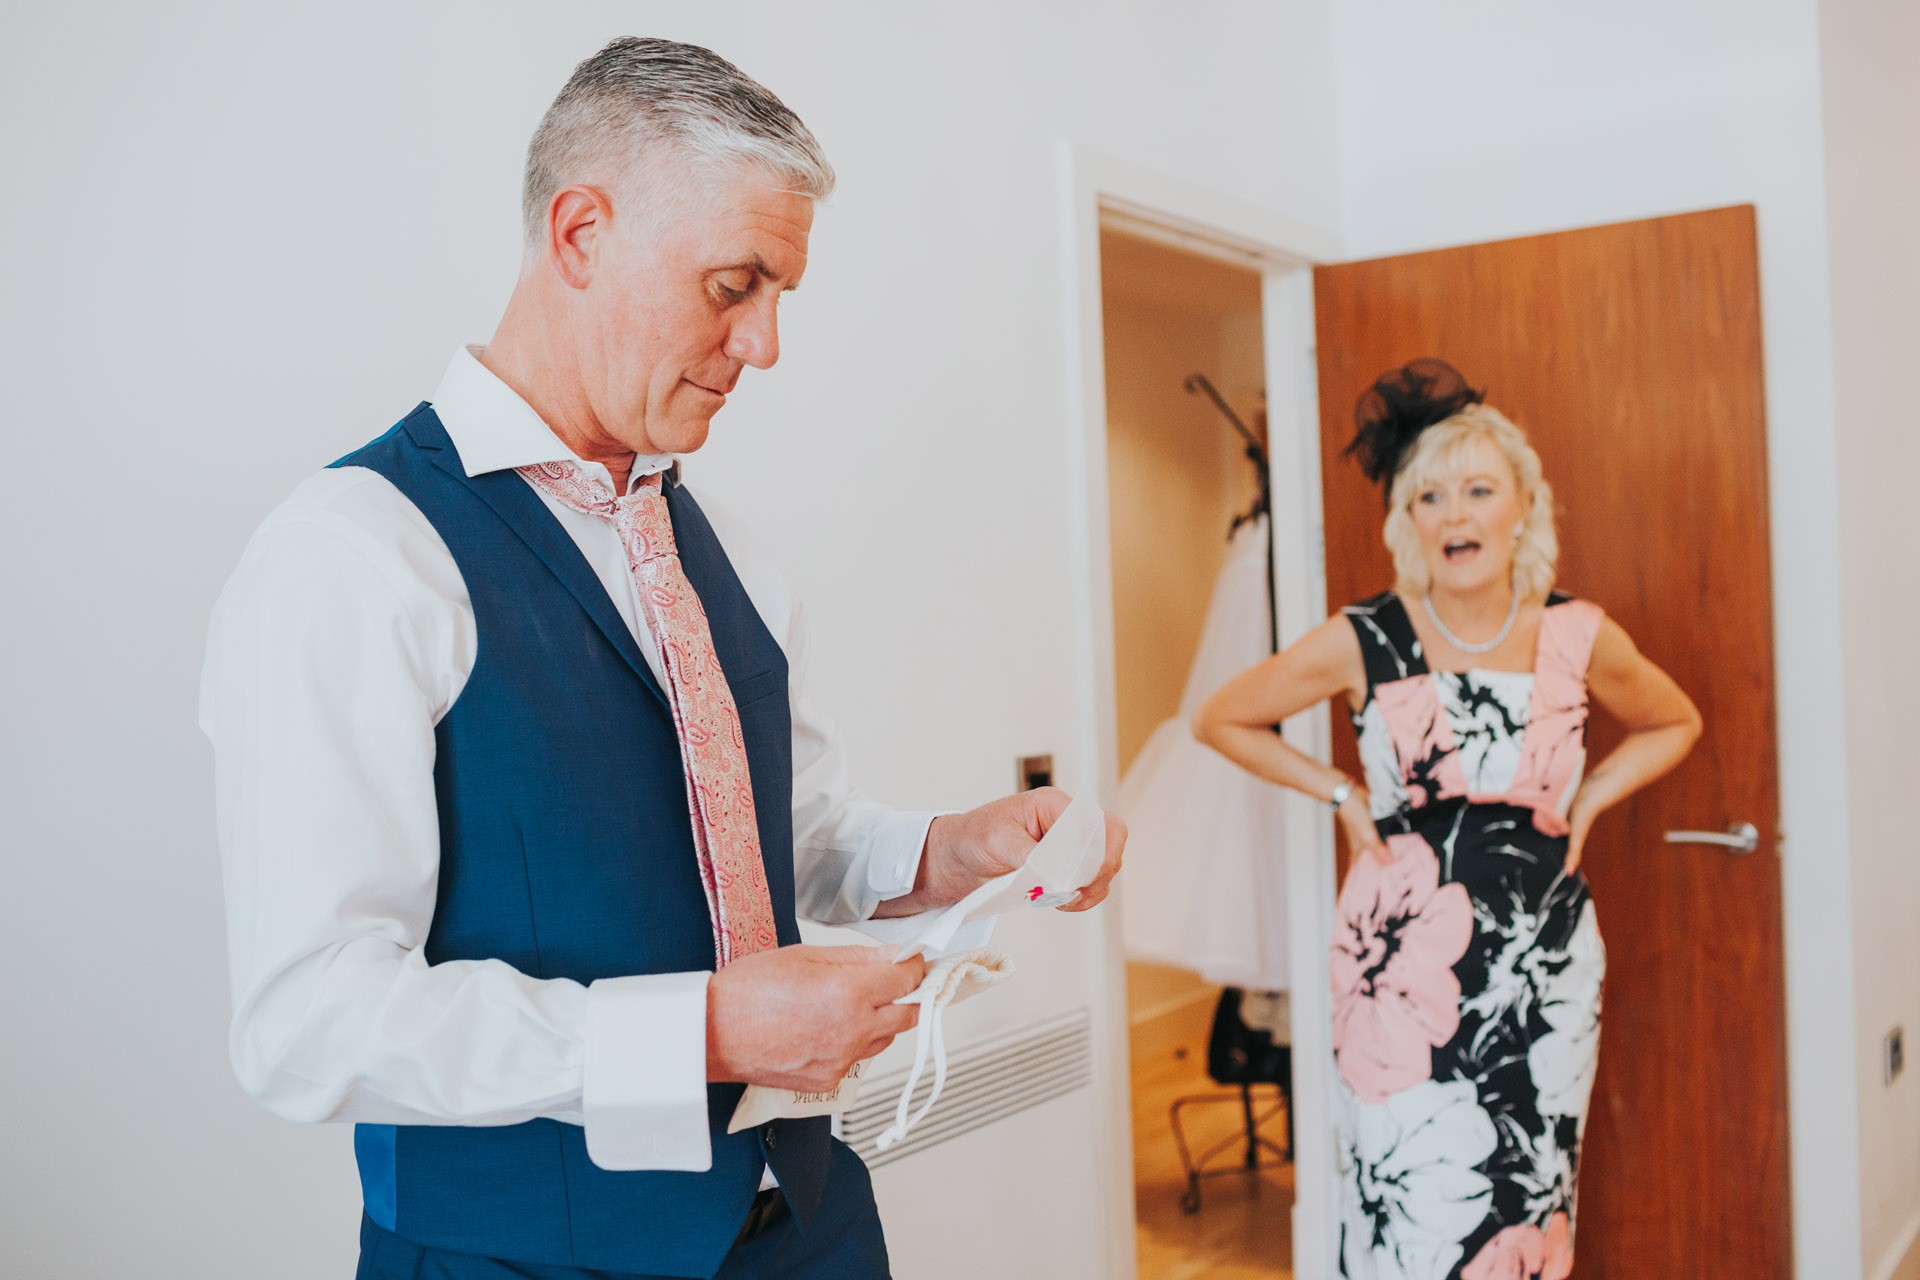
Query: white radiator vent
[986,1081]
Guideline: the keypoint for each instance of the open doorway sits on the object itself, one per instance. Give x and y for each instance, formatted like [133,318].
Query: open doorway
[1191,566]
[1253,271]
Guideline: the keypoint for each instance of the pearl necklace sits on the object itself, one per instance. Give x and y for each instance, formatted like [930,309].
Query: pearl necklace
[1462,645]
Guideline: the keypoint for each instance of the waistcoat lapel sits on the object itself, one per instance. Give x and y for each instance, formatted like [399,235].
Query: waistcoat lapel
[521,510]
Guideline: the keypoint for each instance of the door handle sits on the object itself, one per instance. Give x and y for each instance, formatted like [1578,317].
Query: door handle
[1741,837]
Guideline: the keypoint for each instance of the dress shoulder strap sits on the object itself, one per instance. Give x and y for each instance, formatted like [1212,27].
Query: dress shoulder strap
[1568,628]
[1388,645]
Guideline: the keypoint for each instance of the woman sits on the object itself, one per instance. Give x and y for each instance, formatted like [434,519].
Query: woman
[1467,961]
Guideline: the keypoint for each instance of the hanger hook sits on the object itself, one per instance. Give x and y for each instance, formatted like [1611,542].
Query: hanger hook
[1200,384]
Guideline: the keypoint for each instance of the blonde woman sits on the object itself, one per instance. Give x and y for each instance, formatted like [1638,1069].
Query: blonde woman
[1467,960]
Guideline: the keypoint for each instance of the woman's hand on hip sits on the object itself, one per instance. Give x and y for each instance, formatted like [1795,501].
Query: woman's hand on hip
[1356,818]
[1579,824]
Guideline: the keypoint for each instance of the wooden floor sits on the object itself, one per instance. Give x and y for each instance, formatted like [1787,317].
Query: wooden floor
[1244,1226]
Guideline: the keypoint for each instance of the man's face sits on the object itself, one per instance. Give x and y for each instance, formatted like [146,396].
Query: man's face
[678,307]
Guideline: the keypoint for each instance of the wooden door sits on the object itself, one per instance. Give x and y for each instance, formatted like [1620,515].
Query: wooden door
[1631,355]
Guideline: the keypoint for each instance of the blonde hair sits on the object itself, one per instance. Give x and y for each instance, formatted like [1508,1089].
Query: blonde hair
[1440,453]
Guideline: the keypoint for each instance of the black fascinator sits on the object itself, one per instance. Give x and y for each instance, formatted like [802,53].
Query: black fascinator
[1398,407]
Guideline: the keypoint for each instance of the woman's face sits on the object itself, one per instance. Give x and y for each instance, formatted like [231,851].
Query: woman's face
[1467,522]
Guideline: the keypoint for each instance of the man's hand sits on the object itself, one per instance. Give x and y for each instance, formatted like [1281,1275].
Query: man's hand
[964,850]
[798,1017]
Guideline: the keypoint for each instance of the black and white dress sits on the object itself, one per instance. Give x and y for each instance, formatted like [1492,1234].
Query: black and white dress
[1467,971]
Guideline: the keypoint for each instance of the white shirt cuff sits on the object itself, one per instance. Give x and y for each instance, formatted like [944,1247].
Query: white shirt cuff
[644,1097]
[894,846]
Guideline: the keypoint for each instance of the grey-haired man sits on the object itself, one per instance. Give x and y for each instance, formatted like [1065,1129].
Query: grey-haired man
[519,793]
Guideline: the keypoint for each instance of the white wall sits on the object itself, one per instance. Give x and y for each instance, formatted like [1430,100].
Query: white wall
[1473,122]
[240,239]
[1869,49]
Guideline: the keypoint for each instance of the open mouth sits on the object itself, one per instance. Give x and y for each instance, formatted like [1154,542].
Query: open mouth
[1459,549]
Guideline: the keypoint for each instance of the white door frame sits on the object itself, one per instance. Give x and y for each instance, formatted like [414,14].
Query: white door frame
[1097,189]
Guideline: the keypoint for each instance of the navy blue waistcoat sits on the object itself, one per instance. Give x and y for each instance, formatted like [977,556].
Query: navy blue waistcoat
[566,851]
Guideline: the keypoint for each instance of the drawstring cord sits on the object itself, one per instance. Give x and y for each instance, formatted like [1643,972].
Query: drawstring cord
[950,979]
[930,1032]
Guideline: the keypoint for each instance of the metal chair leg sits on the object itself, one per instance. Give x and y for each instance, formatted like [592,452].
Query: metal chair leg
[1197,1168]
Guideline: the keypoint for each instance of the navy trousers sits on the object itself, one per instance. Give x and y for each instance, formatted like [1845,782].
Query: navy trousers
[845,1245]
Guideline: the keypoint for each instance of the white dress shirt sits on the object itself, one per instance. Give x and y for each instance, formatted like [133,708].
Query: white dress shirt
[343,637]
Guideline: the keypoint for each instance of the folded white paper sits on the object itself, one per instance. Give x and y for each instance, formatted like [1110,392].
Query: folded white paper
[1065,861]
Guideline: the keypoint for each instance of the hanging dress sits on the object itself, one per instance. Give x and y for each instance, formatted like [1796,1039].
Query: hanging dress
[1206,876]
[1467,972]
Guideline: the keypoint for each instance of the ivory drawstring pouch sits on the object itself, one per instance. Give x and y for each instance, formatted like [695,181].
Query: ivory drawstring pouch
[1065,860]
[948,981]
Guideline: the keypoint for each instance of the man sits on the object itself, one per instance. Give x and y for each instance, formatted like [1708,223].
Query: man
[519,793]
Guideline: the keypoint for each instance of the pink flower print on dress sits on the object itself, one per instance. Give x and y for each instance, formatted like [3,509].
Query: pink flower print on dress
[1395,997]
[1555,749]
[1525,1253]
[1422,738]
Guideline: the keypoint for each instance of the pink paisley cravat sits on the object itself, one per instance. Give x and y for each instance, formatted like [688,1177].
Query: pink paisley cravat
[713,753]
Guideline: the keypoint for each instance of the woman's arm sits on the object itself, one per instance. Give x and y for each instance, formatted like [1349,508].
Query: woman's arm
[1662,726]
[1238,721]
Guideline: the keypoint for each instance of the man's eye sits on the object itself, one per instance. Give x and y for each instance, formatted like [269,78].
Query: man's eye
[729,295]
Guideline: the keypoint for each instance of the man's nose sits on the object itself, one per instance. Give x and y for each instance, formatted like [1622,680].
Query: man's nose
[755,338]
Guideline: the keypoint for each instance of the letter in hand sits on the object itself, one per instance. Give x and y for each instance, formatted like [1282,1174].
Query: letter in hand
[799,1017]
[965,850]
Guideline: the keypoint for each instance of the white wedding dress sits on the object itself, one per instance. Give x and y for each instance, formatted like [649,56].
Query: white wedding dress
[1205,881]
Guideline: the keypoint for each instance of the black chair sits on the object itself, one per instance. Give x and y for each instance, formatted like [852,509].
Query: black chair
[1243,1056]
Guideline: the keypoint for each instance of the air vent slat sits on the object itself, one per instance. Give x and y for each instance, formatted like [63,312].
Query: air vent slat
[971,1113]
[986,1082]
[976,1118]
[990,1094]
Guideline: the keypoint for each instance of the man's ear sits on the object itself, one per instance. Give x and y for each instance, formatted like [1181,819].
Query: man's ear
[576,216]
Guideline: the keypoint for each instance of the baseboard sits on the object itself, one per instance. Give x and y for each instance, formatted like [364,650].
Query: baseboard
[1902,1261]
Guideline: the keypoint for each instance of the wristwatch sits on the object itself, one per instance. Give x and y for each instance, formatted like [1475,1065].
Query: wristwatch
[1340,794]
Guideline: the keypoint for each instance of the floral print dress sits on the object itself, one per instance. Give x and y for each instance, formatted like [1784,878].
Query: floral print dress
[1467,972]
